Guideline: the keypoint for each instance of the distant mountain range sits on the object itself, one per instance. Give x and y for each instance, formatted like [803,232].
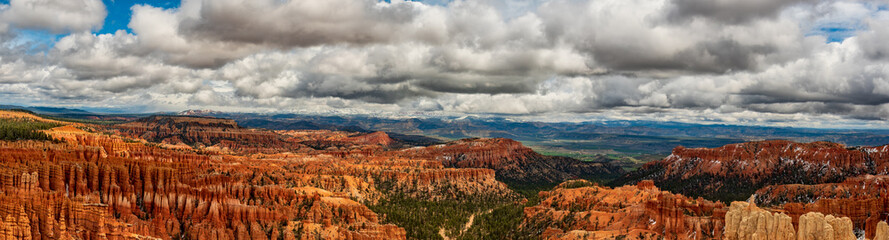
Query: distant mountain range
[619,135]
[47,110]
[584,138]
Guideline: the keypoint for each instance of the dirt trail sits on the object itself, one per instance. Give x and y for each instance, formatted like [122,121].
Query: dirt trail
[441,231]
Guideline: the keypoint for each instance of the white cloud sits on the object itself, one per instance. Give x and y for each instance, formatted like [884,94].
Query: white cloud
[655,58]
[57,16]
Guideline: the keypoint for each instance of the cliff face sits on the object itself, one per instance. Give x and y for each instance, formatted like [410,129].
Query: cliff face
[213,134]
[582,210]
[374,138]
[205,178]
[72,191]
[640,211]
[882,232]
[737,170]
[339,141]
[91,185]
[747,221]
[864,199]
[512,161]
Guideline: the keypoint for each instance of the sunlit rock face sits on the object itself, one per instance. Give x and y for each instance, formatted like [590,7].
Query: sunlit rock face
[578,210]
[513,162]
[864,199]
[203,178]
[808,184]
[215,134]
[746,221]
[583,210]
[207,178]
[735,171]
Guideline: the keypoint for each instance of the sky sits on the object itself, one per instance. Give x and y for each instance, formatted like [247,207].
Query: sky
[763,62]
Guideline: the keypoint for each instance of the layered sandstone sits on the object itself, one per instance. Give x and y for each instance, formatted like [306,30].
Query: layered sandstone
[796,178]
[594,212]
[120,197]
[882,231]
[583,210]
[512,161]
[735,171]
[817,226]
[374,138]
[206,133]
[339,140]
[206,178]
[747,221]
[864,199]
[92,185]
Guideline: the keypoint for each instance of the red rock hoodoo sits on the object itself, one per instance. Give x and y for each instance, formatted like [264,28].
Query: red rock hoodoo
[863,199]
[735,171]
[225,183]
[641,212]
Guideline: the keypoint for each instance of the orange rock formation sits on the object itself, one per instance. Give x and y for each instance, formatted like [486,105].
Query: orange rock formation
[746,221]
[220,135]
[740,169]
[513,161]
[864,199]
[582,210]
[206,178]
[254,185]
[637,212]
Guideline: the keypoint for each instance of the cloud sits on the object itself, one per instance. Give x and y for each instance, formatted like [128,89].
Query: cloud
[638,37]
[301,22]
[729,11]
[58,16]
[665,59]
[873,41]
[160,37]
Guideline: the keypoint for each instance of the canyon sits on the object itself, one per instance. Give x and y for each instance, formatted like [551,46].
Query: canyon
[588,211]
[583,210]
[735,171]
[179,177]
[863,199]
[792,179]
[201,178]
[185,177]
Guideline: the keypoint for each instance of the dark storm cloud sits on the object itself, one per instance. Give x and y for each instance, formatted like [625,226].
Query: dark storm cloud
[445,85]
[722,56]
[717,56]
[319,85]
[729,11]
[859,112]
[387,79]
[299,23]
[859,93]
[812,107]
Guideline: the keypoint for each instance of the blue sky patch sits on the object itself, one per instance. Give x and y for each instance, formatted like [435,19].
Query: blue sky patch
[119,12]
[836,31]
